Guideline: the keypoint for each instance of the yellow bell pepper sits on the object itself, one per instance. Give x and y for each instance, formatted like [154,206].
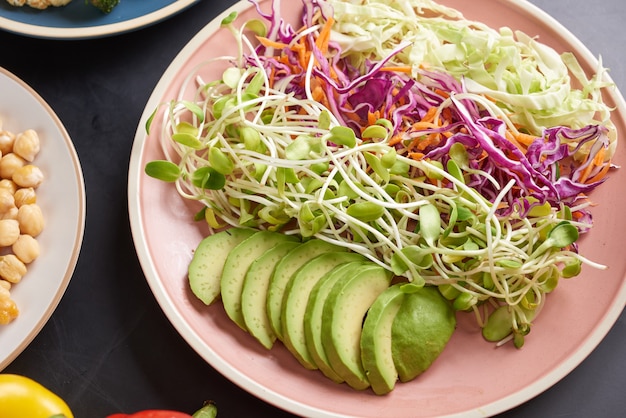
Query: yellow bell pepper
[22,397]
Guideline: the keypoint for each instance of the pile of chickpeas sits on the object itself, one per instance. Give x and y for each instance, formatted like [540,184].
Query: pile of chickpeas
[21,218]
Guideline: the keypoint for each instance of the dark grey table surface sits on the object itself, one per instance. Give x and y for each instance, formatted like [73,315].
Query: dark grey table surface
[108,347]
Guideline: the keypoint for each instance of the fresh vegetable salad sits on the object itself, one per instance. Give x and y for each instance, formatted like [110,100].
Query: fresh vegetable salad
[453,154]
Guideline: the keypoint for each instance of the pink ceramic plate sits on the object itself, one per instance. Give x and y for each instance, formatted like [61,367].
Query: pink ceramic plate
[471,378]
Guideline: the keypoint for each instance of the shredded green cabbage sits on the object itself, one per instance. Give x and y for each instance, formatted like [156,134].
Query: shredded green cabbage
[529,79]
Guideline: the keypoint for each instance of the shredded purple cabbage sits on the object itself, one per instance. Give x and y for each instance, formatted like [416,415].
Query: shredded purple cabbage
[403,100]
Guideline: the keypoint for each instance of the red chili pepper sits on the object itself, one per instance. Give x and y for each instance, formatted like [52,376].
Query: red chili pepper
[208,410]
[152,414]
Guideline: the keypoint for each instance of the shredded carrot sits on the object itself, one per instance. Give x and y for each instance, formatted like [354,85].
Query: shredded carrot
[396,139]
[442,93]
[525,139]
[271,44]
[597,161]
[511,138]
[272,76]
[318,93]
[302,51]
[430,115]
[421,143]
[324,36]
[601,174]
[421,125]
[372,117]
[399,69]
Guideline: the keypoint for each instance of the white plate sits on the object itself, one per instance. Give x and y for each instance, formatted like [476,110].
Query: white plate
[62,199]
[80,21]
[471,378]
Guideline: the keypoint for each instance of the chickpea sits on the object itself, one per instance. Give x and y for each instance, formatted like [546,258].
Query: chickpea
[21,219]
[9,185]
[6,142]
[9,232]
[26,248]
[9,163]
[11,268]
[24,196]
[7,201]
[26,145]
[8,308]
[10,214]
[28,176]
[30,218]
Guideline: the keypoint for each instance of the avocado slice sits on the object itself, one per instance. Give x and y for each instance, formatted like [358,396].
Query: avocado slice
[207,263]
[420,331]
[254,292]
[342,320]
[296,297]
[376,340]
[314,312]
[236,266]
[283,272]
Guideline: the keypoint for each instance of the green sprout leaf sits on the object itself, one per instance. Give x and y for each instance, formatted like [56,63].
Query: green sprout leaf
[376,164]
[342,135]
[458,153]
[163,170]
[195,109]
[429,223]
[300,148]
[229,19]
[324,120]
[255,85]
[149,121]
[389,158]
[365,211]
[231,76]
[499,324]
[220,161]
[454,169]
[252,139]
[208,178]
[257,27]
[187,140]
[374,131]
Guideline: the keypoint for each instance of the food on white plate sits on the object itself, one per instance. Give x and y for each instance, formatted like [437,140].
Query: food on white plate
[457,158]
[39,4]
[105,6]
[21,218]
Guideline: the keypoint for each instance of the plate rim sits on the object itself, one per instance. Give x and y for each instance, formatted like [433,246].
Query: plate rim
[80,222]
[99,31]
[556,374]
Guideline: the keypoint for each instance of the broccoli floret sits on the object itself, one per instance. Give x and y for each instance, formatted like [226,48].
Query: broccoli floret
[105,5]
